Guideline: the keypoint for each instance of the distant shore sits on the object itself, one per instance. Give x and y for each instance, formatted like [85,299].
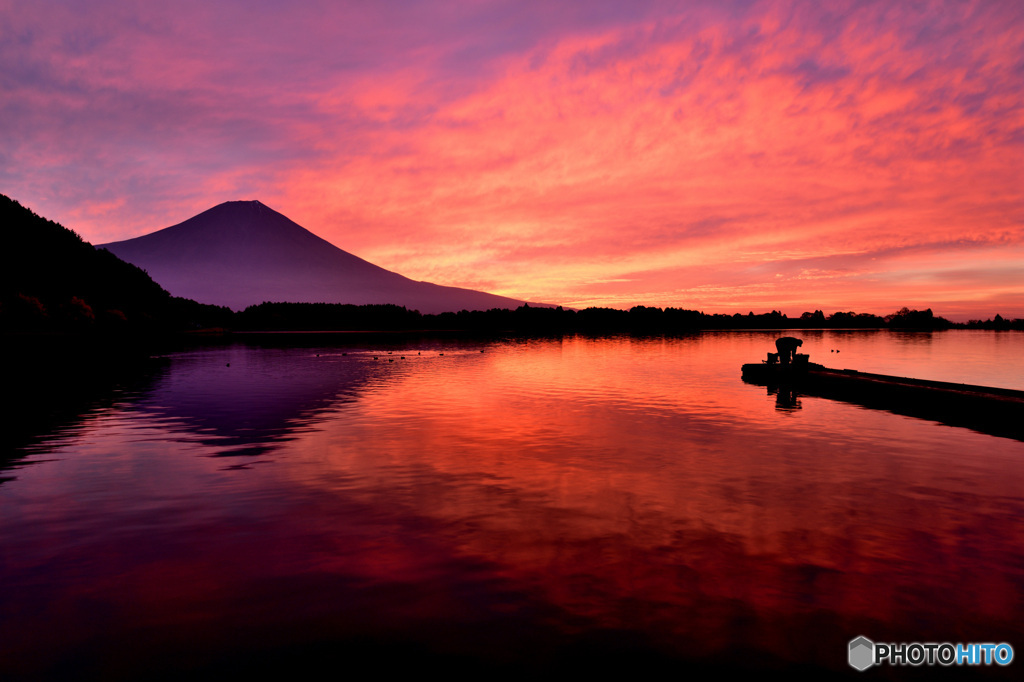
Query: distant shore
[327,317]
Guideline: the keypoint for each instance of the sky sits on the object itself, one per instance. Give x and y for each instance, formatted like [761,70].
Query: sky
[718,156]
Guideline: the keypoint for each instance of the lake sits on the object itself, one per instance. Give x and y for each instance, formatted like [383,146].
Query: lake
[517,505]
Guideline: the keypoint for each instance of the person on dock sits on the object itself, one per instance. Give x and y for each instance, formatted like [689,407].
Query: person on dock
[787,346]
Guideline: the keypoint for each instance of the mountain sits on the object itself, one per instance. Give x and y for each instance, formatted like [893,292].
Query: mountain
[243,253]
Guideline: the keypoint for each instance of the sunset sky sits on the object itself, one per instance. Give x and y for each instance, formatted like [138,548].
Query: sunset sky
[720,156]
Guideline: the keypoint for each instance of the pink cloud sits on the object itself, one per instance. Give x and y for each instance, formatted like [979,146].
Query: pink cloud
[730,158]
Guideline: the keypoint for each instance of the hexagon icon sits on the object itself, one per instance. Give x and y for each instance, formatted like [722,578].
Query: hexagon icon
[862,653]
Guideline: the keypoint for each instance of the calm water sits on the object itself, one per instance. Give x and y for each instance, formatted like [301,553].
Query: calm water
[521,505]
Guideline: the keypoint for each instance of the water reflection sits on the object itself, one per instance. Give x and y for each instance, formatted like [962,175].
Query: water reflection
[786,397]
[58,398]
[248,400]
[544,505]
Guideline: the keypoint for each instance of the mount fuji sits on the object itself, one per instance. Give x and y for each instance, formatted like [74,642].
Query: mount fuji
[242,253]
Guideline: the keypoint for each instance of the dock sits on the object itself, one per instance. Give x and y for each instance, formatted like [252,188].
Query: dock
[996,411]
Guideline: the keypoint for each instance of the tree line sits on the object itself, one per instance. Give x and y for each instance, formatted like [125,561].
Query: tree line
[533,319]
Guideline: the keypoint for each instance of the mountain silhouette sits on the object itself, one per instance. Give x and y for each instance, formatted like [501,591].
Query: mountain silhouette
[242,253]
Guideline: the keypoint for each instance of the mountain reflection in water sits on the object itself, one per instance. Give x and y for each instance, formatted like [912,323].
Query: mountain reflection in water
[540,506]
[242,402]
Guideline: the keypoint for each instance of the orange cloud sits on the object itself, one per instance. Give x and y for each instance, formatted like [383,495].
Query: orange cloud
[728,158]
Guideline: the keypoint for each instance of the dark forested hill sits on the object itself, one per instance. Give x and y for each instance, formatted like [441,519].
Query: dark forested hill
[53,280]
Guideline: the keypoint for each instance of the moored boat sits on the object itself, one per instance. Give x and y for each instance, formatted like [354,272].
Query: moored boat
[999,411]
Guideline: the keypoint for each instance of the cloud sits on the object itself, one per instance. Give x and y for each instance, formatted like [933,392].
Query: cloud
[538,147]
